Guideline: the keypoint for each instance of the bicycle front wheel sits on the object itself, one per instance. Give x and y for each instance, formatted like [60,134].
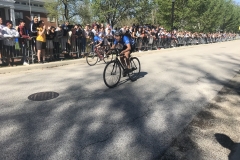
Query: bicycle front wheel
[91,58]
[112,74]
[135,67]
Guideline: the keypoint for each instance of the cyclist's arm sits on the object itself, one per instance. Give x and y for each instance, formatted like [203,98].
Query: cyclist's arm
[127,43]
[113,46]
[128,49]
[100,42]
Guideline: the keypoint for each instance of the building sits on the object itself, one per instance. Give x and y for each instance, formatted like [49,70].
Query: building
[24,9]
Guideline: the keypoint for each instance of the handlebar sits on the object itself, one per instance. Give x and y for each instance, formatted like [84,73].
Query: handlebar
[117,50]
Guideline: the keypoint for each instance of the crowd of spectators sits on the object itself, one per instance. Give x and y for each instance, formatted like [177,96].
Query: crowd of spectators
[49,42]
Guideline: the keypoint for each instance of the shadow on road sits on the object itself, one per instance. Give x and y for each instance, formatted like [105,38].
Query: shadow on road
[141,75]
[88,121]
[228,143]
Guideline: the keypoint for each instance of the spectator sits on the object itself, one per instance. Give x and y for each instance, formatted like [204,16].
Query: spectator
[41,41]
[87,31]
[9,35]
[84,40]
[108,27]
[49,43]
[33,31]
[23,40]
[57,40]
[94,24]
[79,35]
[72,40]
[1,41]
[65,28]
[95,30]
[34,26]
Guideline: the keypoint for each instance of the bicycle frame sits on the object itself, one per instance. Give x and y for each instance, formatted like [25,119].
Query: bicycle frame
[117,60]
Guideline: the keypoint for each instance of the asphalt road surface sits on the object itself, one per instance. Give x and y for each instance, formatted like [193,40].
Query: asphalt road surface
[135,120]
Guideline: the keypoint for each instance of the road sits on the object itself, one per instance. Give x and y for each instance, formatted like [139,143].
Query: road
[135,120]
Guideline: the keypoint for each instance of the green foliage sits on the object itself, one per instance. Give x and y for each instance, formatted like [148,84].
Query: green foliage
[200,15]
[192,15]
[143,11]
[69,10]
[85,12]
[112,11]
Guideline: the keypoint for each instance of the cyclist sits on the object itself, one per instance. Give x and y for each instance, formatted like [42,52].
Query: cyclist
[124,41]
[98,42]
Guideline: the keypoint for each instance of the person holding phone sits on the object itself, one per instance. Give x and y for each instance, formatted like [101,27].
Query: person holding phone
[41,41]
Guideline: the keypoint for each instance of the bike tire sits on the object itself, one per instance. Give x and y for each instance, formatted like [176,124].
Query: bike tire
[92,58]
[135,66]
[112,74]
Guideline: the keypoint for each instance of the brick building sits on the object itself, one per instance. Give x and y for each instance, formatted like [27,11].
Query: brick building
[21,9]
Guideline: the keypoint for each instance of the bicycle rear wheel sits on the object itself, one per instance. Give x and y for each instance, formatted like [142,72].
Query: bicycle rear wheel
[135,67]
[112,74]
[92,58]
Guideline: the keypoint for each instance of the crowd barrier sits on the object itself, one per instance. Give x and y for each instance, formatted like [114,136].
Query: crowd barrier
[152,42]
[73,47]
[22,49]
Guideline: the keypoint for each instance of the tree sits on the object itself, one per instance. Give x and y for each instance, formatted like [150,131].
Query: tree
[199,15]
[113,11]
[142,11]
[85,12]
[64,10]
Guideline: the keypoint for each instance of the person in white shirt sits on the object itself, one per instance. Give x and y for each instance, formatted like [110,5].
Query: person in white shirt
[108,27]
[95,30]
[1,41]
[10,34]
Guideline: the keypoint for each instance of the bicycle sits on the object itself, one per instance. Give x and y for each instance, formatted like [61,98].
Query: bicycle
[113,69]
[99,52]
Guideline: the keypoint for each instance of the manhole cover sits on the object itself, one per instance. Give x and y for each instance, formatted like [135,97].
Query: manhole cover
[43,96]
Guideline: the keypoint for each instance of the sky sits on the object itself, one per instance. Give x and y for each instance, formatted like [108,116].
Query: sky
[238,1]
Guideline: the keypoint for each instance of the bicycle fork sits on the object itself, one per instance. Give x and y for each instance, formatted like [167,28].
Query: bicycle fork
[114,69]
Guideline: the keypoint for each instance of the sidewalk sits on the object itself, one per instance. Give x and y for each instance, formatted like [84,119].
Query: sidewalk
[214,133]
[20,67]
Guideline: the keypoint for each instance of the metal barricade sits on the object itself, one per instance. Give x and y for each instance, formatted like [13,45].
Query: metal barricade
[74,46]
[150,42]
[19,50]
[138,43]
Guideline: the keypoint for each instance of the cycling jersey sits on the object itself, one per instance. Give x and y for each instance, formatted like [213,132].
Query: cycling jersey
[97,39]
[124,41]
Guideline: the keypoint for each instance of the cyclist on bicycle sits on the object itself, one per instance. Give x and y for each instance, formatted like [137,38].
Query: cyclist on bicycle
[123,40]
[97,43]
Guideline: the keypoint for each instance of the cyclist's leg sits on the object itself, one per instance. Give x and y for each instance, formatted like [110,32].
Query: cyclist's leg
[125,59]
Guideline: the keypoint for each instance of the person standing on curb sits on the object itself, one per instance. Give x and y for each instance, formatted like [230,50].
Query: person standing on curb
[23,40]
[1,41]
[9,35]
[79,35]
[33,32]
[41,41]
[49,42]
[64,37]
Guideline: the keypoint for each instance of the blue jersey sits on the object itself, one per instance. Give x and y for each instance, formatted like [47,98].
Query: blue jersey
[124,41]
[97,39]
